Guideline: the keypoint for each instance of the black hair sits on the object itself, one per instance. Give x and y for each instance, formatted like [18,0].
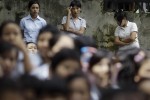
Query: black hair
[123,94]
[49,28]
[53,87]
[120,15]
[77,75]
[7,47]
[76,3]
[98,56]
[8,84]
[4,24]
[31,2]
[130,67]
[29,82]
[30,42]
[85,41]
[63,55]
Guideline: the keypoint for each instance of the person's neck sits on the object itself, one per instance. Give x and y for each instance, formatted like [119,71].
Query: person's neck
[33,16]
[75,17]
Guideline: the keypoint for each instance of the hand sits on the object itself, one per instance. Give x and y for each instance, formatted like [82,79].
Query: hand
[19,43]
[69,10]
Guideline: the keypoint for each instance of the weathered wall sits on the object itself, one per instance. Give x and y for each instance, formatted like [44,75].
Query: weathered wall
[100,24]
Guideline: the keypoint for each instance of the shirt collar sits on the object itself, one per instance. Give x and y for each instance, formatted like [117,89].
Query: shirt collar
[78,18]
[29,17]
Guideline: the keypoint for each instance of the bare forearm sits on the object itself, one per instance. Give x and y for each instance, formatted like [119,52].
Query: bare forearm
[75,32]
[120,43]
[66,28]
[27,63]
[128,40]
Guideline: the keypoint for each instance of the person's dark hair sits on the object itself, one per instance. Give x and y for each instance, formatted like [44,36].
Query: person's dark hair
[29,82]
[53,87]
[98,56]
[76,3]
[30,42]
[84,41]
[7,47]
[131,62]
[4,24]
[50,29]
[8,84]
[120,15]
[77,75]
[31,2]
[123,94]
[63,55]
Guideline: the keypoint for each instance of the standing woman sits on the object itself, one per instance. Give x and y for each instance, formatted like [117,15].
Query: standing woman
[72,23]
[32,23]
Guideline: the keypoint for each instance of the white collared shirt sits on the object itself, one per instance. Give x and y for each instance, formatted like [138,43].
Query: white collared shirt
[76,25]
[125,32]
[31,27]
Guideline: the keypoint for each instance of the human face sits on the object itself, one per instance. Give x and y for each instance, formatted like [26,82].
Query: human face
[8,61]
[122,23]
[79,89]
[101,72]
[11,32]
[145,86]
[144,71]
[32,48]
[75,11]
[42,43]
[101,68]
[34,10]
[67,67]
[63,42]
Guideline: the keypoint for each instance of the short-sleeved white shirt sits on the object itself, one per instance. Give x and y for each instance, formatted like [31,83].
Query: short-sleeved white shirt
[125,32]
[76,25]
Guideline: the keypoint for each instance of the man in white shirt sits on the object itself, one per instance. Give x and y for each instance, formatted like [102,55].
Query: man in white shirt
[126,34]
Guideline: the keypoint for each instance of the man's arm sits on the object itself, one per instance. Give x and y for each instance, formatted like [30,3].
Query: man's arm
[119,42]
[131,38]
[80,32]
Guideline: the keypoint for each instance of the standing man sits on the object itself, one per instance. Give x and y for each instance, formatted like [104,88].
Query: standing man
[126,34]
[32,23]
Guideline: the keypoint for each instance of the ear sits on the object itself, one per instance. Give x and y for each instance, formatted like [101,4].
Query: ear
[137,78]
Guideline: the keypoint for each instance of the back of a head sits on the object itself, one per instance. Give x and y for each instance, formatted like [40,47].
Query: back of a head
[85,41]
[123,94]
[64,54]
[8,84]
[54,87]
[29,82]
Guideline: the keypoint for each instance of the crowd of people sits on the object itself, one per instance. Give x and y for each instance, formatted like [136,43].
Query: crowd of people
[38,61]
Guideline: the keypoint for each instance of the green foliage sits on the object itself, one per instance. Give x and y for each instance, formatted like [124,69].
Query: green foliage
[105,37]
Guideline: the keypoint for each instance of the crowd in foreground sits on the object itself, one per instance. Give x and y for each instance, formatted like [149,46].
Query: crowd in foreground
[60,66]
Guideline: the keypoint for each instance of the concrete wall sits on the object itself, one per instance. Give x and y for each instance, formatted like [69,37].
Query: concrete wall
[100,24]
